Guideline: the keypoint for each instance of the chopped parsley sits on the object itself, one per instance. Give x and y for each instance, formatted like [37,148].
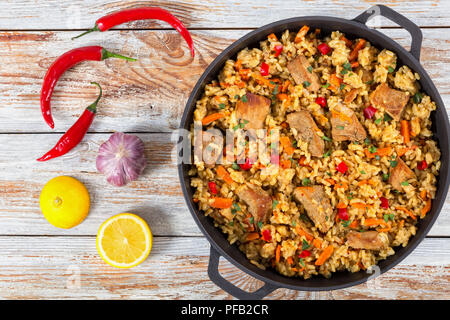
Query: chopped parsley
[306,182]
[327,154]
[301,262]
[251,220]
[326,138]
[326,85]
[362,172]
[275,90]
[305,245]
[342,86]
[346,68]
[385,176]
[405,183]
[377,157]
[306,84]
[346,223]
[372,149]
[260,225]
[366,141]
[244,98]
[294,223]
[417,97]
[387,117]
[390,69]
[235,208]
[236,97]
[310,69]
[235,166]
[221,105]
[378,121]
[388,217]
[393,163]
[275,203]
[369,82]
[231,224]
[340,127]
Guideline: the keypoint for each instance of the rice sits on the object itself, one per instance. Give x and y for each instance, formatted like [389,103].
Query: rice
[289,240]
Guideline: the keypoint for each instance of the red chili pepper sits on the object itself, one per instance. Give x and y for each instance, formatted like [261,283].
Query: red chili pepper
[111,20]
[75,134]
[304,254]
[264,70]
[384,203]
[321,101]
[422,165]
[343,214]
[247,165]
[342,167]
[266,235]
[324,48]
[212,187]
[369,112]
[67,61]
[278,49]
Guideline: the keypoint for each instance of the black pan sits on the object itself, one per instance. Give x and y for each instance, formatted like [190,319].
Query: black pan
[354,29]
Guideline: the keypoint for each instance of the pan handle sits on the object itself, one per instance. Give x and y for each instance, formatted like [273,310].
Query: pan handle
[402,21]
[215,276]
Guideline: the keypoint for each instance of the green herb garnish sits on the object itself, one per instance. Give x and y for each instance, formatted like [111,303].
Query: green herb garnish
[275,203]
[377,157]
[387,117]
[306,182]
[235,166]
[390,69]
[221,105]
[251,220]
[260,225]
[326,138]
[378,121]
[340,127]
[305,245]
[372,149]
[362,172]
[346,223]
[393,163]
[342,86]
[405,183]
[327,154]
[301,262]
[417,97]
[385,176]
[326,85]
[294,223]
[244,98]
[310,69]
[367,141]
[306,84]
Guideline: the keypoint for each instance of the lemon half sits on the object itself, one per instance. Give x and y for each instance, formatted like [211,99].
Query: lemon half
[124,240]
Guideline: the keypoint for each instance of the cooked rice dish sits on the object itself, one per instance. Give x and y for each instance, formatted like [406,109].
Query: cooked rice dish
[349,166]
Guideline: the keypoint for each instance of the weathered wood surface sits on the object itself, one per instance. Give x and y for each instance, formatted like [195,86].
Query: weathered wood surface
[147,95]
[70,267]
[156,195]
[57,15]
[40,261]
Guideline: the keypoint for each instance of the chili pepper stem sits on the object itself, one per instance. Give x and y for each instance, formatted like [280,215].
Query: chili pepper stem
[93,107]
[88,31]
[107,54]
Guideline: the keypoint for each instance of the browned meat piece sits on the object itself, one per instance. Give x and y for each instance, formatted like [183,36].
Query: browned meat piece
[317,206]
[301,71]
[367,77]
[255,111]
[345,125]
[208,147]
[259,201]
[365,240]
[351,95]
[393,101]
[307,130]
[400,173]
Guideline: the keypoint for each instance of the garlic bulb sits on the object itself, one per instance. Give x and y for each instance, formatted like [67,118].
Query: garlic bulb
[121,158]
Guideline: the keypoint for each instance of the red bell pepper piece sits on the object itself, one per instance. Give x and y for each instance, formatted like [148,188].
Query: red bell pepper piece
[247,165]
[369,112]
[278,49]
[304,254]
[343,214]
[324,48]
[342,167]
[422,165]
[264,70]
[212,187]
[321,101]
[384,203]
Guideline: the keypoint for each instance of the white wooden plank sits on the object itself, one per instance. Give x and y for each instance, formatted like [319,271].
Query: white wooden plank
[148,95]
[70,268]
[156,195]
[76,14]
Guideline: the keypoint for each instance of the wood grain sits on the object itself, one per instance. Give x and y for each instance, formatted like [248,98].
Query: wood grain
[144,96]
[70,267]
[156,195]
[76,14]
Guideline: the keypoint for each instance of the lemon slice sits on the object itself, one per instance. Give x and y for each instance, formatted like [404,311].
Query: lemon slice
[124,240]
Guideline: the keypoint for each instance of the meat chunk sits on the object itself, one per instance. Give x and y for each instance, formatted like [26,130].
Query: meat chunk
[255,111]
[317,206]
[393,101]
[345,125]
[307,129]
[302,73]
[259,201]
[400,173]
[208,146]
[370,240]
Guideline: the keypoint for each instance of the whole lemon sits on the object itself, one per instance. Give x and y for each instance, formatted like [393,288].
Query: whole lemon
[64,202]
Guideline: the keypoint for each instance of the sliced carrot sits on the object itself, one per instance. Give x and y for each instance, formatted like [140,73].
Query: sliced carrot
[238,64]
[301,34]
[354,224]
[272,37]
[341,205]
[245,74]
[341,185]
[374,222]
[224,175]
[330,181]
[278,253]
[423,194]
[252,236]
[426,208]
[404,129]
[285,86]
[283,96]
[406,211]
[317,243]
[263,81]
[301,162]
[195,200]
[222,203]
[290,261]
[354,54]
[240,84]
[335,81]
[212,117]
[285,164]
[302,232]
[361,205]
[381,152]
[348,43]
[324,255]
[368,181]
[384,229]
[354,64]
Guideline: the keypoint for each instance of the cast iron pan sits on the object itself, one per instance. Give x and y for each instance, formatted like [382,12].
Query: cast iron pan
[352,28]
